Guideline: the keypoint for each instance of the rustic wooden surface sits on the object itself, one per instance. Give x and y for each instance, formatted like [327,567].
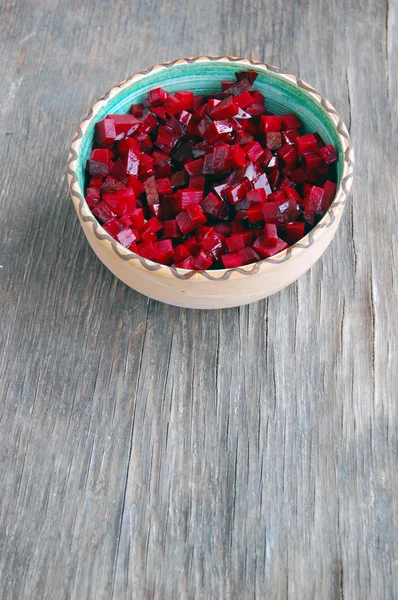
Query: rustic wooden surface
[149,452]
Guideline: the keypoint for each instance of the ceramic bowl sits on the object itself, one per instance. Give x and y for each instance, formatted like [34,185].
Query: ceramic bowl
[224,287]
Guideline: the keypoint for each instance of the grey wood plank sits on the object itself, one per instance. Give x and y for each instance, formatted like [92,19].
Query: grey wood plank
[152,452]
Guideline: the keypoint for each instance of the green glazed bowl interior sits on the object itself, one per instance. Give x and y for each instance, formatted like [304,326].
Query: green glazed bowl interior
[281,96]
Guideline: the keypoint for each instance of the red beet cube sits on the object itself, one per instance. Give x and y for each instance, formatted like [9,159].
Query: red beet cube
[97,169]
[329,192]
[105,132]
[95,182]
[121,201]
[164,253]
[256,196]
[294,232]
[297,176]
[270,123]
[288,154]
[212,240]
[118,171]
[186,264]
[292,194]
[180,253]
[170,229]
[220,158]
[253,151]
[305,143]
[190,196]
[244,99]
[248,255]
[128,144]
[328,154]
[192,245]
[179,179]
[146,250]
[158,96]
[202,261]
[125,124]
[225,110]
[126,237]
[216,130]
[137,110]
[103,212]
[312,161]
[136,217]
[194,166]
[290,121]
[184,222]
[270,234]
[313,204]
[92,196]
[131,162]
[237,192]
[212,205]
[236,157]
[151,191]
[186,99]
[166,139]
[112,227]
[196,214]
[255,213]
[290,136]
[265,250]
[164,186]
[274,140]
[173,105]
[197,182]
[232,260]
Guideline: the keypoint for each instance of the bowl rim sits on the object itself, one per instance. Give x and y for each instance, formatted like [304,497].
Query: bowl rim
[342,193]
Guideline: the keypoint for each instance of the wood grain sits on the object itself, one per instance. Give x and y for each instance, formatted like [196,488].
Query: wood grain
[151,452]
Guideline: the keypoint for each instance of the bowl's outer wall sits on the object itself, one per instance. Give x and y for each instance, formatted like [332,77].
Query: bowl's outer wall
[223,288]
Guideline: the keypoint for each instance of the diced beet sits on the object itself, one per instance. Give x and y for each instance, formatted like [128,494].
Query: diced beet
[297,176]
[253,151]
[265,250]
[270,234]
[255,213]
[328,154]
[128,144]
[95,182]
[294,232]
[262,183]
[221,158]
[157,96]
[105,132]
[313,204]
[290,121]
[256,196]
[202,261]
[136,216]
[236,157]
[239,240]
[180,253]
[226,84]
[270,123]
[179,179]
[329,192]
[186,99]
[312,161]
[237,192]
[184,222]
[274,140]
[197,182]
[190,196]
[288,154]
[136,184]
[250,75]
[146,250]
[196,214]
[97,169]
[166,139]
[290,136]
[126,237]
[292,194]
[305,143]
[111,185]
[232,260]
[192,245]
[173,105]
[151,191]
[131,162]
[194,166]
[103,212]
[170,229]
[125,124]
[112,226]
[225,110]
[159,112]
[212,240]
[164,186]
[244,99]
[137,110]
[241,86]
[120,201]
[164,253]
[248,255]
[212,205]
[92,196]
[185,264]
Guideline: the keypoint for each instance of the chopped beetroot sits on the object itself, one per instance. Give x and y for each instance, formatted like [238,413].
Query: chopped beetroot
[204,182]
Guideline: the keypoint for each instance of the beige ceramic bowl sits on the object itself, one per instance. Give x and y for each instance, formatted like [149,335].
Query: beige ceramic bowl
[225,287]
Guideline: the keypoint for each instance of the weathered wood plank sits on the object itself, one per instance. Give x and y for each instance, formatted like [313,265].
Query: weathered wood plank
[153,452]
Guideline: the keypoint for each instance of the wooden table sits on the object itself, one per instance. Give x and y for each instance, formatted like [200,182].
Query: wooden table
[150,452]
